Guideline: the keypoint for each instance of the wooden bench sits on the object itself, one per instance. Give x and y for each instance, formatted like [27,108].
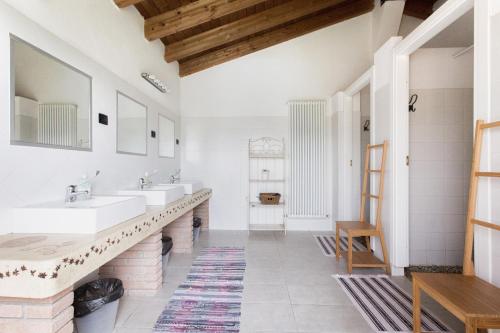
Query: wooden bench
[471,299]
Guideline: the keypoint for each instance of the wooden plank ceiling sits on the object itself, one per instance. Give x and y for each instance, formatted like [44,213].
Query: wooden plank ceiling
[421,9]
[203,33]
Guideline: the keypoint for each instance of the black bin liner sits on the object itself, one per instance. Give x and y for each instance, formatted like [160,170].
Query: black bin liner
[167,245]
[196,222]
[94,295]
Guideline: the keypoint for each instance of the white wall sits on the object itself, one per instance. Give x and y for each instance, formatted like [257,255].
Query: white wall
[487,107]
[110,36]
[215,150]
[260,84]
[382,128]
[435,68]
[222,107]
[38,174]
[386,20]
[441,133]
[495,138]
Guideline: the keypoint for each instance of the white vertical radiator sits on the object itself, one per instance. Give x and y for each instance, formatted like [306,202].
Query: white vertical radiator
[57,124]
[307,184]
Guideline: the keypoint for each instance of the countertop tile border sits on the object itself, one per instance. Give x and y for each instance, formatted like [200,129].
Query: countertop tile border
[143,226]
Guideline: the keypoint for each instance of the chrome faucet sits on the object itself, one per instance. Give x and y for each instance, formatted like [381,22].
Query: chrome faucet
[72,194]
[175,177]
[144,182]
[84,189]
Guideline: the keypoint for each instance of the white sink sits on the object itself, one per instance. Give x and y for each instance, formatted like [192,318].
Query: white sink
[158,195]
[190,186]
[80,217]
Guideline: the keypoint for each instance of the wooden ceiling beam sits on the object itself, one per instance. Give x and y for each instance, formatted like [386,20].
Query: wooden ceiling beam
[336,14]
[191,15]
[421,9]
[126,3]
[245,27]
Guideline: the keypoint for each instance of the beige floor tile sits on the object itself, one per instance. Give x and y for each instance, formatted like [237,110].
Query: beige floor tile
[270,317]
[266,293]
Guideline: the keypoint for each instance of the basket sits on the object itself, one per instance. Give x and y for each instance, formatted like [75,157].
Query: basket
[269,198]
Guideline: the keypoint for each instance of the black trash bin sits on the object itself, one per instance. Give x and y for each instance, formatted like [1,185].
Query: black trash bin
[196,227]
[165,252]
[96,305]
[167,245]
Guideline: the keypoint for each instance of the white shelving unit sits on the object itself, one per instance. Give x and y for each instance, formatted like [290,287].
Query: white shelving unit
[267,173]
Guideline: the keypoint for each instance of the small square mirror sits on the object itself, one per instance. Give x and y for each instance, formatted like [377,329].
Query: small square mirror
[166,142]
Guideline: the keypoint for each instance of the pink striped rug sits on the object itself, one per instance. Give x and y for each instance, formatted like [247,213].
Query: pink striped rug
[210,298]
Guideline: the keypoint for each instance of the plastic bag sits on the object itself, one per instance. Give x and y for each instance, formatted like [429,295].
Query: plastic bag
[167,245]
[94,295]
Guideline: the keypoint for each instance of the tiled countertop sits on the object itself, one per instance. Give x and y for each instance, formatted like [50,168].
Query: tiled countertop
[42,265]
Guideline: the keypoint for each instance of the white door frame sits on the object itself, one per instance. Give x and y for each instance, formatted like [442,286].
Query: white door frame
[346,146]
[445,15]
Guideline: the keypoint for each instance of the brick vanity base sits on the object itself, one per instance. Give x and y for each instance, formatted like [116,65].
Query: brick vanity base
[202,211]
[181,231]
[48,315]
[140,267]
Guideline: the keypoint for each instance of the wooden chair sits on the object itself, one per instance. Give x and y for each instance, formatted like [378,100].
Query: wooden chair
[364,228]
[472,300]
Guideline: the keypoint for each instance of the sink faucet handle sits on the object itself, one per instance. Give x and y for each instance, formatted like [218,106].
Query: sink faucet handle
[70,193]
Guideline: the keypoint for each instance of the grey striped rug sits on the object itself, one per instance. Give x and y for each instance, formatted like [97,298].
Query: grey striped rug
[327,244]
[384,305]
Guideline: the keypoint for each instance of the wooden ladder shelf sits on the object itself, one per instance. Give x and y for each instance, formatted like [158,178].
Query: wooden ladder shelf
[363,228]
[471,299]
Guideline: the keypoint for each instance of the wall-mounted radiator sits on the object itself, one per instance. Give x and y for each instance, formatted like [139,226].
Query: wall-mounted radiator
[307,186]
[57,124]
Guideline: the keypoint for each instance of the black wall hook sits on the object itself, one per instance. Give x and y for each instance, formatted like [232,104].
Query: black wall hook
[366,126]
[413,100]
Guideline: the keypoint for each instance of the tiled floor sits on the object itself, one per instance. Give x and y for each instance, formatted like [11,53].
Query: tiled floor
[288,287]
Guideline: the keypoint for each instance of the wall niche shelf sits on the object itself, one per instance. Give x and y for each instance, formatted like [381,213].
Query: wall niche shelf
[266,174]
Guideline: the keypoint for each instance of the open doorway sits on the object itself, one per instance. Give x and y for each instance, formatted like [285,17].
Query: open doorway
[360,139]
[440,147]
[364,97]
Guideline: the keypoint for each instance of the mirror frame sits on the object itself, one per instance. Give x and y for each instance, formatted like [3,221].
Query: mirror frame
[159,134]
[118,92]
[13,39]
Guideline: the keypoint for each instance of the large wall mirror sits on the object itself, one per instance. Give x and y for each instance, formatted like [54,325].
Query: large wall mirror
[132,126]
[166,142]
[51,101]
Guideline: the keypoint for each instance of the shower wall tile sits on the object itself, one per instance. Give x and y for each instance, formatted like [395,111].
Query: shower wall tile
[441,134]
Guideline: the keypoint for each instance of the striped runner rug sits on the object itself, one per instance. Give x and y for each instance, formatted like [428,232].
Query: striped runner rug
[210,298]
[327,244]
[384,305]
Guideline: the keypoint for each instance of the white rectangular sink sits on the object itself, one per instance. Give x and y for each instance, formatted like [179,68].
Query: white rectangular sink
[79,217]
[158,195]
[190,186]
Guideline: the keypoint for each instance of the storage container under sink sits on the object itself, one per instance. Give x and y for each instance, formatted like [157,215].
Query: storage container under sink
[157,195]
[79,217]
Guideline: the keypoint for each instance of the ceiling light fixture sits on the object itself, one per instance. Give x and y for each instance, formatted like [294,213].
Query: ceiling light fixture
[157,83]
